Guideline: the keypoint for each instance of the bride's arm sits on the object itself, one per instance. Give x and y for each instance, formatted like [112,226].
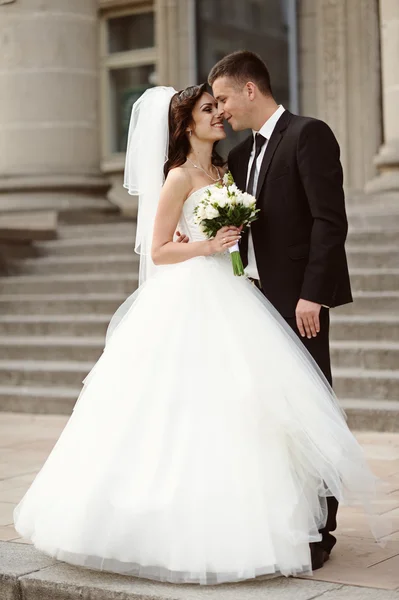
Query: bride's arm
[164,251]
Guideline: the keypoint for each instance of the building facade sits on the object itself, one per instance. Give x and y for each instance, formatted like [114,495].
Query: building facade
[71,69]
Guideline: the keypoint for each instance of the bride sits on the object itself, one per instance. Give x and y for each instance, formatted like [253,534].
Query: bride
[205,440]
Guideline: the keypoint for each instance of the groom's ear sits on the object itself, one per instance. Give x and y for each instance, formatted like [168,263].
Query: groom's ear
[251,89]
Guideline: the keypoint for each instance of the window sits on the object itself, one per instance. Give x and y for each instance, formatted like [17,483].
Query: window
[131,32]
[126,86]
[129,67]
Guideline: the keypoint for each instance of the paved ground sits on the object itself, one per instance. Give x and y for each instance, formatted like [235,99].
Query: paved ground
[26,440]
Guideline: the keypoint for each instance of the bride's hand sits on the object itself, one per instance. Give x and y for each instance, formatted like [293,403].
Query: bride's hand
[225,238]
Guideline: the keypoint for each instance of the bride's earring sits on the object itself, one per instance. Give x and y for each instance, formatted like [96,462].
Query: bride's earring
[189,132]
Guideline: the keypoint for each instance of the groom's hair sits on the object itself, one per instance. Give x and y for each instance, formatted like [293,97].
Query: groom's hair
[243,66]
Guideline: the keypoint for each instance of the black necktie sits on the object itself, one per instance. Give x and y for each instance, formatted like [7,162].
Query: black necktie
[259,141]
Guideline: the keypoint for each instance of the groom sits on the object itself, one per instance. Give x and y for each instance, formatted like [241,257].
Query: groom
[295,250]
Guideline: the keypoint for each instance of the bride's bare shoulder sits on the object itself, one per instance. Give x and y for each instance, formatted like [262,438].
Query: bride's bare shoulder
[179,180]
[178,175]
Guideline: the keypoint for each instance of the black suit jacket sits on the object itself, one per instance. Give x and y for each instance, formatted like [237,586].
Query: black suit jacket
[301,229]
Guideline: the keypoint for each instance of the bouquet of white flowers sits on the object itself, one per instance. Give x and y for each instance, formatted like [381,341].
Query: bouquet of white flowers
[224,204]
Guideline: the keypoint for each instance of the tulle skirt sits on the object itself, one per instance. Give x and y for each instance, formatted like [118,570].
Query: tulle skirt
[203,444]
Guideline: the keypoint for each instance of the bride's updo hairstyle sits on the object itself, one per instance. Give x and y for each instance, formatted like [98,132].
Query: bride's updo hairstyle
[180,118]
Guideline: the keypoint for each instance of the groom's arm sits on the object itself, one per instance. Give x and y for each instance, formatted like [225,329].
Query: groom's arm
[320,170]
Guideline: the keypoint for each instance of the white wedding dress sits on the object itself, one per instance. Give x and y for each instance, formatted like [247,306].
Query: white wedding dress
[203,443]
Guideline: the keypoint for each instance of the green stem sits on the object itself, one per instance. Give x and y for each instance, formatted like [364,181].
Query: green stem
[238,267]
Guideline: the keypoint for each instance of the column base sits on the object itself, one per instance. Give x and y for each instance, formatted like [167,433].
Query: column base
[387,163]
[60,193]
[117,194]
[387,181]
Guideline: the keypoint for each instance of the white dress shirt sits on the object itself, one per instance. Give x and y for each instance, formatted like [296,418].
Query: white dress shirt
[266,130]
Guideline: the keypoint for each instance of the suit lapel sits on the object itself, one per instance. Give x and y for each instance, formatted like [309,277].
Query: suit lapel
[271,148]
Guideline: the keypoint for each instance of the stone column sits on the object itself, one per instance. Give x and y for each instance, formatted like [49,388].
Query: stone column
[387,159]
[340,78]
[49,96]
[175,42]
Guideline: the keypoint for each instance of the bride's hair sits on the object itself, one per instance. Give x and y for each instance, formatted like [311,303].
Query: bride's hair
[180,117]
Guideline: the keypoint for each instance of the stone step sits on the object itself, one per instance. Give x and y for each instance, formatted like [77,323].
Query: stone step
[373,256]
[82,325]
[69,284]
[92,246]
[51,348]
[366,383]
[31,575]
[60,304]
[81,232]
[28,373]
[343,327]
[374,279]
[362,280]
[18,250]
[366,354]
[373,235]
[371,414]
[363,260]
[361,255]
[52,265]
[349,382]
[371,302]
[376,219]
[364,327]
[28,225]
[38,400]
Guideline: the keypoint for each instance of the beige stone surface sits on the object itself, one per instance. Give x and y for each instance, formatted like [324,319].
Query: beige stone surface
[6,510]
[8,533]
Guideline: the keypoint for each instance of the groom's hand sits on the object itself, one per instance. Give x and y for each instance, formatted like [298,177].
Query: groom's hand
[308,318]
[180,238]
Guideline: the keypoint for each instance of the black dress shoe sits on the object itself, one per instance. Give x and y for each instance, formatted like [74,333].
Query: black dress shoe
[318,555]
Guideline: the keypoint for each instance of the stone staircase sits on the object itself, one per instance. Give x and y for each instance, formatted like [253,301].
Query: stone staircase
[54,311]
[365,334]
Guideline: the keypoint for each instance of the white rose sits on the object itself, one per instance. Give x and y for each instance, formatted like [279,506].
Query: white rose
[233,189]
[226,179]
[219,196]
[211,212]
[247,199]
[222,202]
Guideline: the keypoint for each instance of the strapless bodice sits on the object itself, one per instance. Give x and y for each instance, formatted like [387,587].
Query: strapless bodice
[187,225]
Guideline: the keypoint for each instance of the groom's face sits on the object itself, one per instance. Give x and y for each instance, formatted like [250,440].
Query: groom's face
[233,103]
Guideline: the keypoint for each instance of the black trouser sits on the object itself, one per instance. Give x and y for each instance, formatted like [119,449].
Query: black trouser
[319,348]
